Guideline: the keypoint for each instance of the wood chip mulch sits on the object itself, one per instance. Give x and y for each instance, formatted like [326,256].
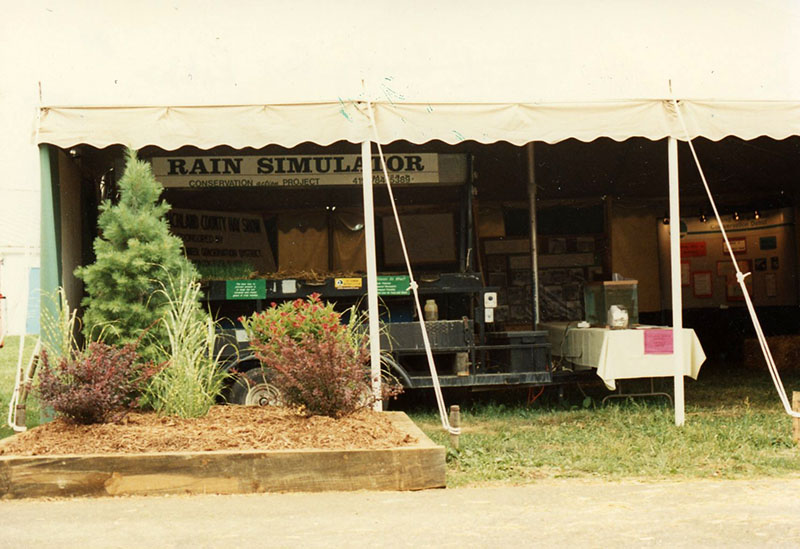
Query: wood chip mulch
[224,428]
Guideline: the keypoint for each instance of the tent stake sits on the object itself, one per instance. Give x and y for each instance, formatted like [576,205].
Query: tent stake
[455,423]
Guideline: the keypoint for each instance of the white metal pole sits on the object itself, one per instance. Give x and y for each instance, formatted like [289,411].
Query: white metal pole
[372,273]
[675,270]
[20,375]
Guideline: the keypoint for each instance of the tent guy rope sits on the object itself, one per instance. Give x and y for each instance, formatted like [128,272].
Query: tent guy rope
[414,288]
[740,278]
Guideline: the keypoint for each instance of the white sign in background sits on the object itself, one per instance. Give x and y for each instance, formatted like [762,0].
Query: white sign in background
[203,172]
[223,237]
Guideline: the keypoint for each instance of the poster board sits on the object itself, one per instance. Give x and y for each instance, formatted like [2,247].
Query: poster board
[764,247]
[223,236]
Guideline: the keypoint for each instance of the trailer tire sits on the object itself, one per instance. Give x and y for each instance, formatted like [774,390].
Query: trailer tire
[254,388]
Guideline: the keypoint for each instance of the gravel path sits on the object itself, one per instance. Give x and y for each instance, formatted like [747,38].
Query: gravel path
[551,513]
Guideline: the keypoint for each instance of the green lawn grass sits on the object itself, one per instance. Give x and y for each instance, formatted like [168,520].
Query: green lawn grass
[735,428]
[9,355]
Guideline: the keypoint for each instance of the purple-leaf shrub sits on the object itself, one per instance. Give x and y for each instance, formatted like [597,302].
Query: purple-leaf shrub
[95,386]
[318,363]
[322,375]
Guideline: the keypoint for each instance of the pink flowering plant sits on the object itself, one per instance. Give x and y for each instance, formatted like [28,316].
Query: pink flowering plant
[294,319]
[319,363]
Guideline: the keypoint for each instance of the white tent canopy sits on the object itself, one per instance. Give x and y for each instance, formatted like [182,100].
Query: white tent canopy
[252,74]
[171,74]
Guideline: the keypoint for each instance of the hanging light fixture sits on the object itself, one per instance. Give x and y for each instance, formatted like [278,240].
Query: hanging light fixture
[665,219]
[756,215]
[736,216]
[703,217]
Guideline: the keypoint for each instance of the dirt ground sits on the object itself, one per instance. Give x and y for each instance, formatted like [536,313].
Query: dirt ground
[224,428]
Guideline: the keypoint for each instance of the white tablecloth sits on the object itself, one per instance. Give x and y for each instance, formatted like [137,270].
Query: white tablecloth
[619,354]
[581,346]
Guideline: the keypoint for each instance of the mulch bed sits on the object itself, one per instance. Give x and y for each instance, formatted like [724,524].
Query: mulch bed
[224,428]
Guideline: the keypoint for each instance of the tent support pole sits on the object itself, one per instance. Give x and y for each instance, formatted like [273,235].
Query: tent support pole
[534,233]
[675,278]
[50,243]
[372,273]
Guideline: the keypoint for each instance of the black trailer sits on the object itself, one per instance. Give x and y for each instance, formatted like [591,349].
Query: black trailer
[472,347]
[467,352]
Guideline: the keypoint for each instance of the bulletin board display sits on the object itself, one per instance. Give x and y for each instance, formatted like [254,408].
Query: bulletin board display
[764,247]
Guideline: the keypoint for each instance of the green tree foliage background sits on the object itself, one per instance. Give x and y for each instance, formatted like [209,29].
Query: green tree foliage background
[134,251]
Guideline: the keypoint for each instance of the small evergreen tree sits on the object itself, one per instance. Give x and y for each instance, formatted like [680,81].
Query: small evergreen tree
[134,251]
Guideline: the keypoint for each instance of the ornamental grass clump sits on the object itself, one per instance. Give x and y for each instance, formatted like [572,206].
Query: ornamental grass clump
[191,378]
[318,363]
[59,326]
[97,385]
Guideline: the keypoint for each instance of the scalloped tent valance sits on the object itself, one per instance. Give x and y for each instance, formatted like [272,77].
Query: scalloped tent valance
[289,125]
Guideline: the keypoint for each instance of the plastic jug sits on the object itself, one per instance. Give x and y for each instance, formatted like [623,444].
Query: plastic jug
[431,310]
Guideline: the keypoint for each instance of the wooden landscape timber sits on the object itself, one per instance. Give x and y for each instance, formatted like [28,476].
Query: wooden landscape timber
[415,467]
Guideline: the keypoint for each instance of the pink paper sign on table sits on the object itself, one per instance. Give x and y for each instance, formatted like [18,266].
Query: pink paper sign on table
[658,342]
